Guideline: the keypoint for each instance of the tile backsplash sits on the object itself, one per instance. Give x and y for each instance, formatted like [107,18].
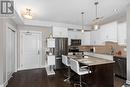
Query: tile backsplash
[110,48]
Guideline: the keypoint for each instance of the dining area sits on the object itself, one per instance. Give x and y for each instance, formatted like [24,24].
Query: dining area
[88,71]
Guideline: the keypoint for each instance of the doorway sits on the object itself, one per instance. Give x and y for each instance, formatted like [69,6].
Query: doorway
[30,50]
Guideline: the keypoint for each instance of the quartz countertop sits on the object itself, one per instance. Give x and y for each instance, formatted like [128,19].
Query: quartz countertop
[103,56]
[91,61]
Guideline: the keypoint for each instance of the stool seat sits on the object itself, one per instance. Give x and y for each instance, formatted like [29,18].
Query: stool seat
[79,70]
[83,71]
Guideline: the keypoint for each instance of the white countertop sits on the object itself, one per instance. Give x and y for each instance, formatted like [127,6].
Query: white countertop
[91,61]
[104,56]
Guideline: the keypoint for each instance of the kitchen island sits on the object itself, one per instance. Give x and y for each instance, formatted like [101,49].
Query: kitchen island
[102,71]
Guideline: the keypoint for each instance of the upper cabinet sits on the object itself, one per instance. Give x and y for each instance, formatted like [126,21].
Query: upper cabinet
[107,32]
[96,37]
[122,33]
[114,31]
[60,32]
[85,37]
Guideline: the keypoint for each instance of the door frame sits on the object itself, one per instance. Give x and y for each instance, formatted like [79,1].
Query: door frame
[11,27]
[21,48]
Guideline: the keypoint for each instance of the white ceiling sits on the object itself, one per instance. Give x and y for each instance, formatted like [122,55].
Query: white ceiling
[68,11]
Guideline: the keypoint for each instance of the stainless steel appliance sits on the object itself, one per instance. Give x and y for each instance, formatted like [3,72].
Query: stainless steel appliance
[61,48]
[75,42]
[74,45]
[120,68]
[73,49]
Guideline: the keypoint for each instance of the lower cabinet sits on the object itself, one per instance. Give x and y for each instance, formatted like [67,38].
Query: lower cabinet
[120,67]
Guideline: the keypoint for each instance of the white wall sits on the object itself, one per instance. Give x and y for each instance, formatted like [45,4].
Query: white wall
[128,44]
[45,30]
[3,23]
[1,51]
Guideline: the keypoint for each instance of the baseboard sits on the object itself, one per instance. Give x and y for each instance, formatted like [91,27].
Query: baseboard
[5,84]
[20,69]
[16,70]
[44,66]
[1,86]
[128,82]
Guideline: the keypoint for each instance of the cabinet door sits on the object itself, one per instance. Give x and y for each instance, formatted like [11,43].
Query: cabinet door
[72,35]
[109,32]
[60,32]
[122,33]
[95,37]
[85,37]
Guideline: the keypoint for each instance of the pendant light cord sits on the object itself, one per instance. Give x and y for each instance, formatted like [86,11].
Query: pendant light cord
[96,4]
[82,21]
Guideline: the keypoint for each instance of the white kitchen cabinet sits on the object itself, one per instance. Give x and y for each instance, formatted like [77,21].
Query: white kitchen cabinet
[93,37]
[96,37]
[122,33]
[60,32]
[73,35]
[85,37]
[109,32]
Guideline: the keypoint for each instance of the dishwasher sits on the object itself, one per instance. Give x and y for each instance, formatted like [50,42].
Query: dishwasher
[120,67]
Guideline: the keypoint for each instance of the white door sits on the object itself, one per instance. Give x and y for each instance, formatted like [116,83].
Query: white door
[31,45]
[10,52]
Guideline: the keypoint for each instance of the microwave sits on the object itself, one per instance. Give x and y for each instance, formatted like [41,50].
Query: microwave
[75,42]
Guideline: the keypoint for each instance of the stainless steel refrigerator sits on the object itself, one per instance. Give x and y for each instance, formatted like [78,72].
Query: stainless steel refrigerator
[61,48]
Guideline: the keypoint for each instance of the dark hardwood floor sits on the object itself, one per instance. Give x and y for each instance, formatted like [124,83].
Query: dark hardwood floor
[39,78]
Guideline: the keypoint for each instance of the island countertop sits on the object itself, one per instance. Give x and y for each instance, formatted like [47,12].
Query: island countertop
[102,70]
[91,61]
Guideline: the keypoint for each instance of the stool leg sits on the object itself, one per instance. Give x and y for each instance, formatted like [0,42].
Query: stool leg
[69,72]
[68,79]
[80,81]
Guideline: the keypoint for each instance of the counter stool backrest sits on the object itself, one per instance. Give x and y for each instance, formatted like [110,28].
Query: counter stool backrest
[65,60]
[74,65]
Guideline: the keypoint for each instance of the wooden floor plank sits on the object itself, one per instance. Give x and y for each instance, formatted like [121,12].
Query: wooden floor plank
[39,78]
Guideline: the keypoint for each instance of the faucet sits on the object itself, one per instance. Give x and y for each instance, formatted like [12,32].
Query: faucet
[112,50]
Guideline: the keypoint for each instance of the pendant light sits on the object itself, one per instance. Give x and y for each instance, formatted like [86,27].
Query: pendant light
[97,20]
[82,13]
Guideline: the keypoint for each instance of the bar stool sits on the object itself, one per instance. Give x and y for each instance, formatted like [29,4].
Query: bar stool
[65,61]
[79,70]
